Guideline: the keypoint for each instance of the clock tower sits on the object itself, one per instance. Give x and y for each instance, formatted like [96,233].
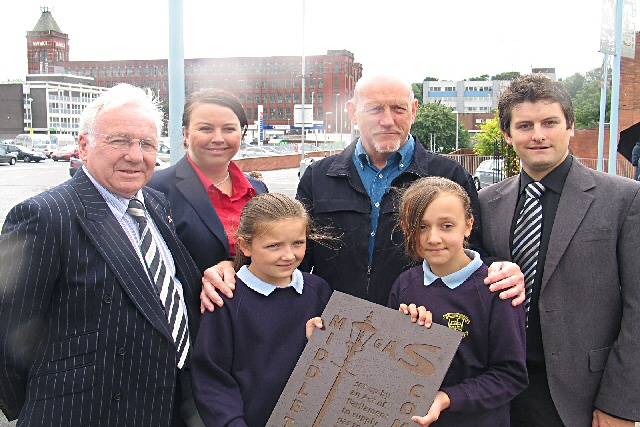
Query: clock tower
[47,46]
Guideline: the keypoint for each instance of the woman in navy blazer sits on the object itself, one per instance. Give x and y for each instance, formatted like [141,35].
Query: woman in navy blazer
[206,189]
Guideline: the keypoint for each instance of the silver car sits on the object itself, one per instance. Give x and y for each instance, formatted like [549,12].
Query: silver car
[489,172]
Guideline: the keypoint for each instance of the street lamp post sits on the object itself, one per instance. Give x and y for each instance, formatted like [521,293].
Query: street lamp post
[336,113]
[303,84]
[457,126]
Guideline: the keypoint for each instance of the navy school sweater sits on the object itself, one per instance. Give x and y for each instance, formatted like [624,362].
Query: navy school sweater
[245,351]
[489,368]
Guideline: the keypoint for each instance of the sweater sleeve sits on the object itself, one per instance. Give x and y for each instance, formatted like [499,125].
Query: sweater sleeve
[506,375]
[216,392]
[394,295]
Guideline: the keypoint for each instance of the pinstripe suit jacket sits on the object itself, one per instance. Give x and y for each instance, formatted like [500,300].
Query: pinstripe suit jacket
[84,340]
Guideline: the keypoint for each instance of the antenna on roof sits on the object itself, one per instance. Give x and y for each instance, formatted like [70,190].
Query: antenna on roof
[44,9]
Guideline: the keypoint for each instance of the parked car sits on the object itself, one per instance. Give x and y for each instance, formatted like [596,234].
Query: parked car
[7,157]
[24,154]
[304,164]
[489,172]
[164,152]
[35,142]
[75,163]
[65,153]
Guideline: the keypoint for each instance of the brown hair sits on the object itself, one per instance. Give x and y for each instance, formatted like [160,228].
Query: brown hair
[533,88]
[266,208]
[414,203]
[217,97]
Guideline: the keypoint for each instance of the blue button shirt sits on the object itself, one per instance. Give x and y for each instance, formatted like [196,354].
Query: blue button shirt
[456,278]
[264,288]
[378,181]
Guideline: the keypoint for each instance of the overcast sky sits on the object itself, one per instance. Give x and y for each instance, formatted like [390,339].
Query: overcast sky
[447,39]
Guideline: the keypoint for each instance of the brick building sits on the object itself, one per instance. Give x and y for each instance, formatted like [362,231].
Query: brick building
[630,89]
[47,46]
[273,82]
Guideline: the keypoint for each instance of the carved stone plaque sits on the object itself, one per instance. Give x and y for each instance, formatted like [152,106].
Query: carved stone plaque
[369,366]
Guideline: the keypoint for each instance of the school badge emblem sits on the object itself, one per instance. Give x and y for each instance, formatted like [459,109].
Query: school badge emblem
[457,321]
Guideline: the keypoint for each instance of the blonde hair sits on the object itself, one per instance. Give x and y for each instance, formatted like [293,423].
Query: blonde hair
[415,201]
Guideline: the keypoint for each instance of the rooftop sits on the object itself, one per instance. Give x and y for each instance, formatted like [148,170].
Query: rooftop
[46,22]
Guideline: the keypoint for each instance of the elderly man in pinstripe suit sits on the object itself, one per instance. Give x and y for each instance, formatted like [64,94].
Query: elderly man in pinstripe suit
[98,297]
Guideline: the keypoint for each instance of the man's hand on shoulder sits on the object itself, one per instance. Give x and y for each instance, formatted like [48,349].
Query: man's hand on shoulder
[219,278]
[506,276]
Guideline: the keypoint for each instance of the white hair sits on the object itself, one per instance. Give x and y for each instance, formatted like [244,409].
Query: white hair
[380,79]
[118,96]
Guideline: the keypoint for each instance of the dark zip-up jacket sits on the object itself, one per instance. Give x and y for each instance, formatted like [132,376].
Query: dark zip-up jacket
[337,201]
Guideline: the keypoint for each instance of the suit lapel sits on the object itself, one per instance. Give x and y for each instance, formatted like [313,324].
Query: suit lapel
[106,234]
[572,208]
[504,205]
[192,190]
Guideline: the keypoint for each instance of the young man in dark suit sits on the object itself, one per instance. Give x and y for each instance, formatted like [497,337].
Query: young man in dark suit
[574,233]
[98,297]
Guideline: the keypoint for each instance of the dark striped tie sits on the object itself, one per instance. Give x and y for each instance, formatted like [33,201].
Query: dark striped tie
[165,284]
[526,238]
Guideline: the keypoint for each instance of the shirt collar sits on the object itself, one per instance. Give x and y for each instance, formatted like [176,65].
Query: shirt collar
[457,278]
[239,182]
[402,157]
[264,288]
[554,180]
[116,203]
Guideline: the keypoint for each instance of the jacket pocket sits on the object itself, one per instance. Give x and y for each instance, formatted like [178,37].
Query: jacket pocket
[70,369]
[63,383]
[74,346]
[598,358]
[595,234]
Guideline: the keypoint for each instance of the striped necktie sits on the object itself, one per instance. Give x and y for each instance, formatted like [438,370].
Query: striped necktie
[165,284]
[526,238]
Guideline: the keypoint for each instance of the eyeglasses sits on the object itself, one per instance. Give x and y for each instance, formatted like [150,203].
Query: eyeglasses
[124,143]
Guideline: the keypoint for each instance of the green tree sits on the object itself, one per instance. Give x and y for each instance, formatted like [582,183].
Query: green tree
[584,90]
[587,105]
[507,75]
[164,107]
[417,91]
[490,142]
[435,118]
[573,84]
[479,78]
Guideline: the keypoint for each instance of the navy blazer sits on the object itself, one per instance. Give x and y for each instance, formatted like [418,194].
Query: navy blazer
[83,336]
[194,216]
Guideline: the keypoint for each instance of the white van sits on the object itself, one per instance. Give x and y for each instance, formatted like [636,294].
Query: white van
[62,140]
[36,142]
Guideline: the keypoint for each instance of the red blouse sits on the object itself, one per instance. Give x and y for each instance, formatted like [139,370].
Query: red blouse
[228,208]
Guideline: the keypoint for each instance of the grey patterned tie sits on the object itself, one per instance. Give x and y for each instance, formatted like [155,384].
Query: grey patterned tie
[165,284]
[526,238]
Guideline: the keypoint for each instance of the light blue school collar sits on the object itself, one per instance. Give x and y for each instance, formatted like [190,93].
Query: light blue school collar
[457,278]
[264,288]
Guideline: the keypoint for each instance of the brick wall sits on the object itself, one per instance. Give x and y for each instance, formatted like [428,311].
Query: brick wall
[630,89]
[276,162]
